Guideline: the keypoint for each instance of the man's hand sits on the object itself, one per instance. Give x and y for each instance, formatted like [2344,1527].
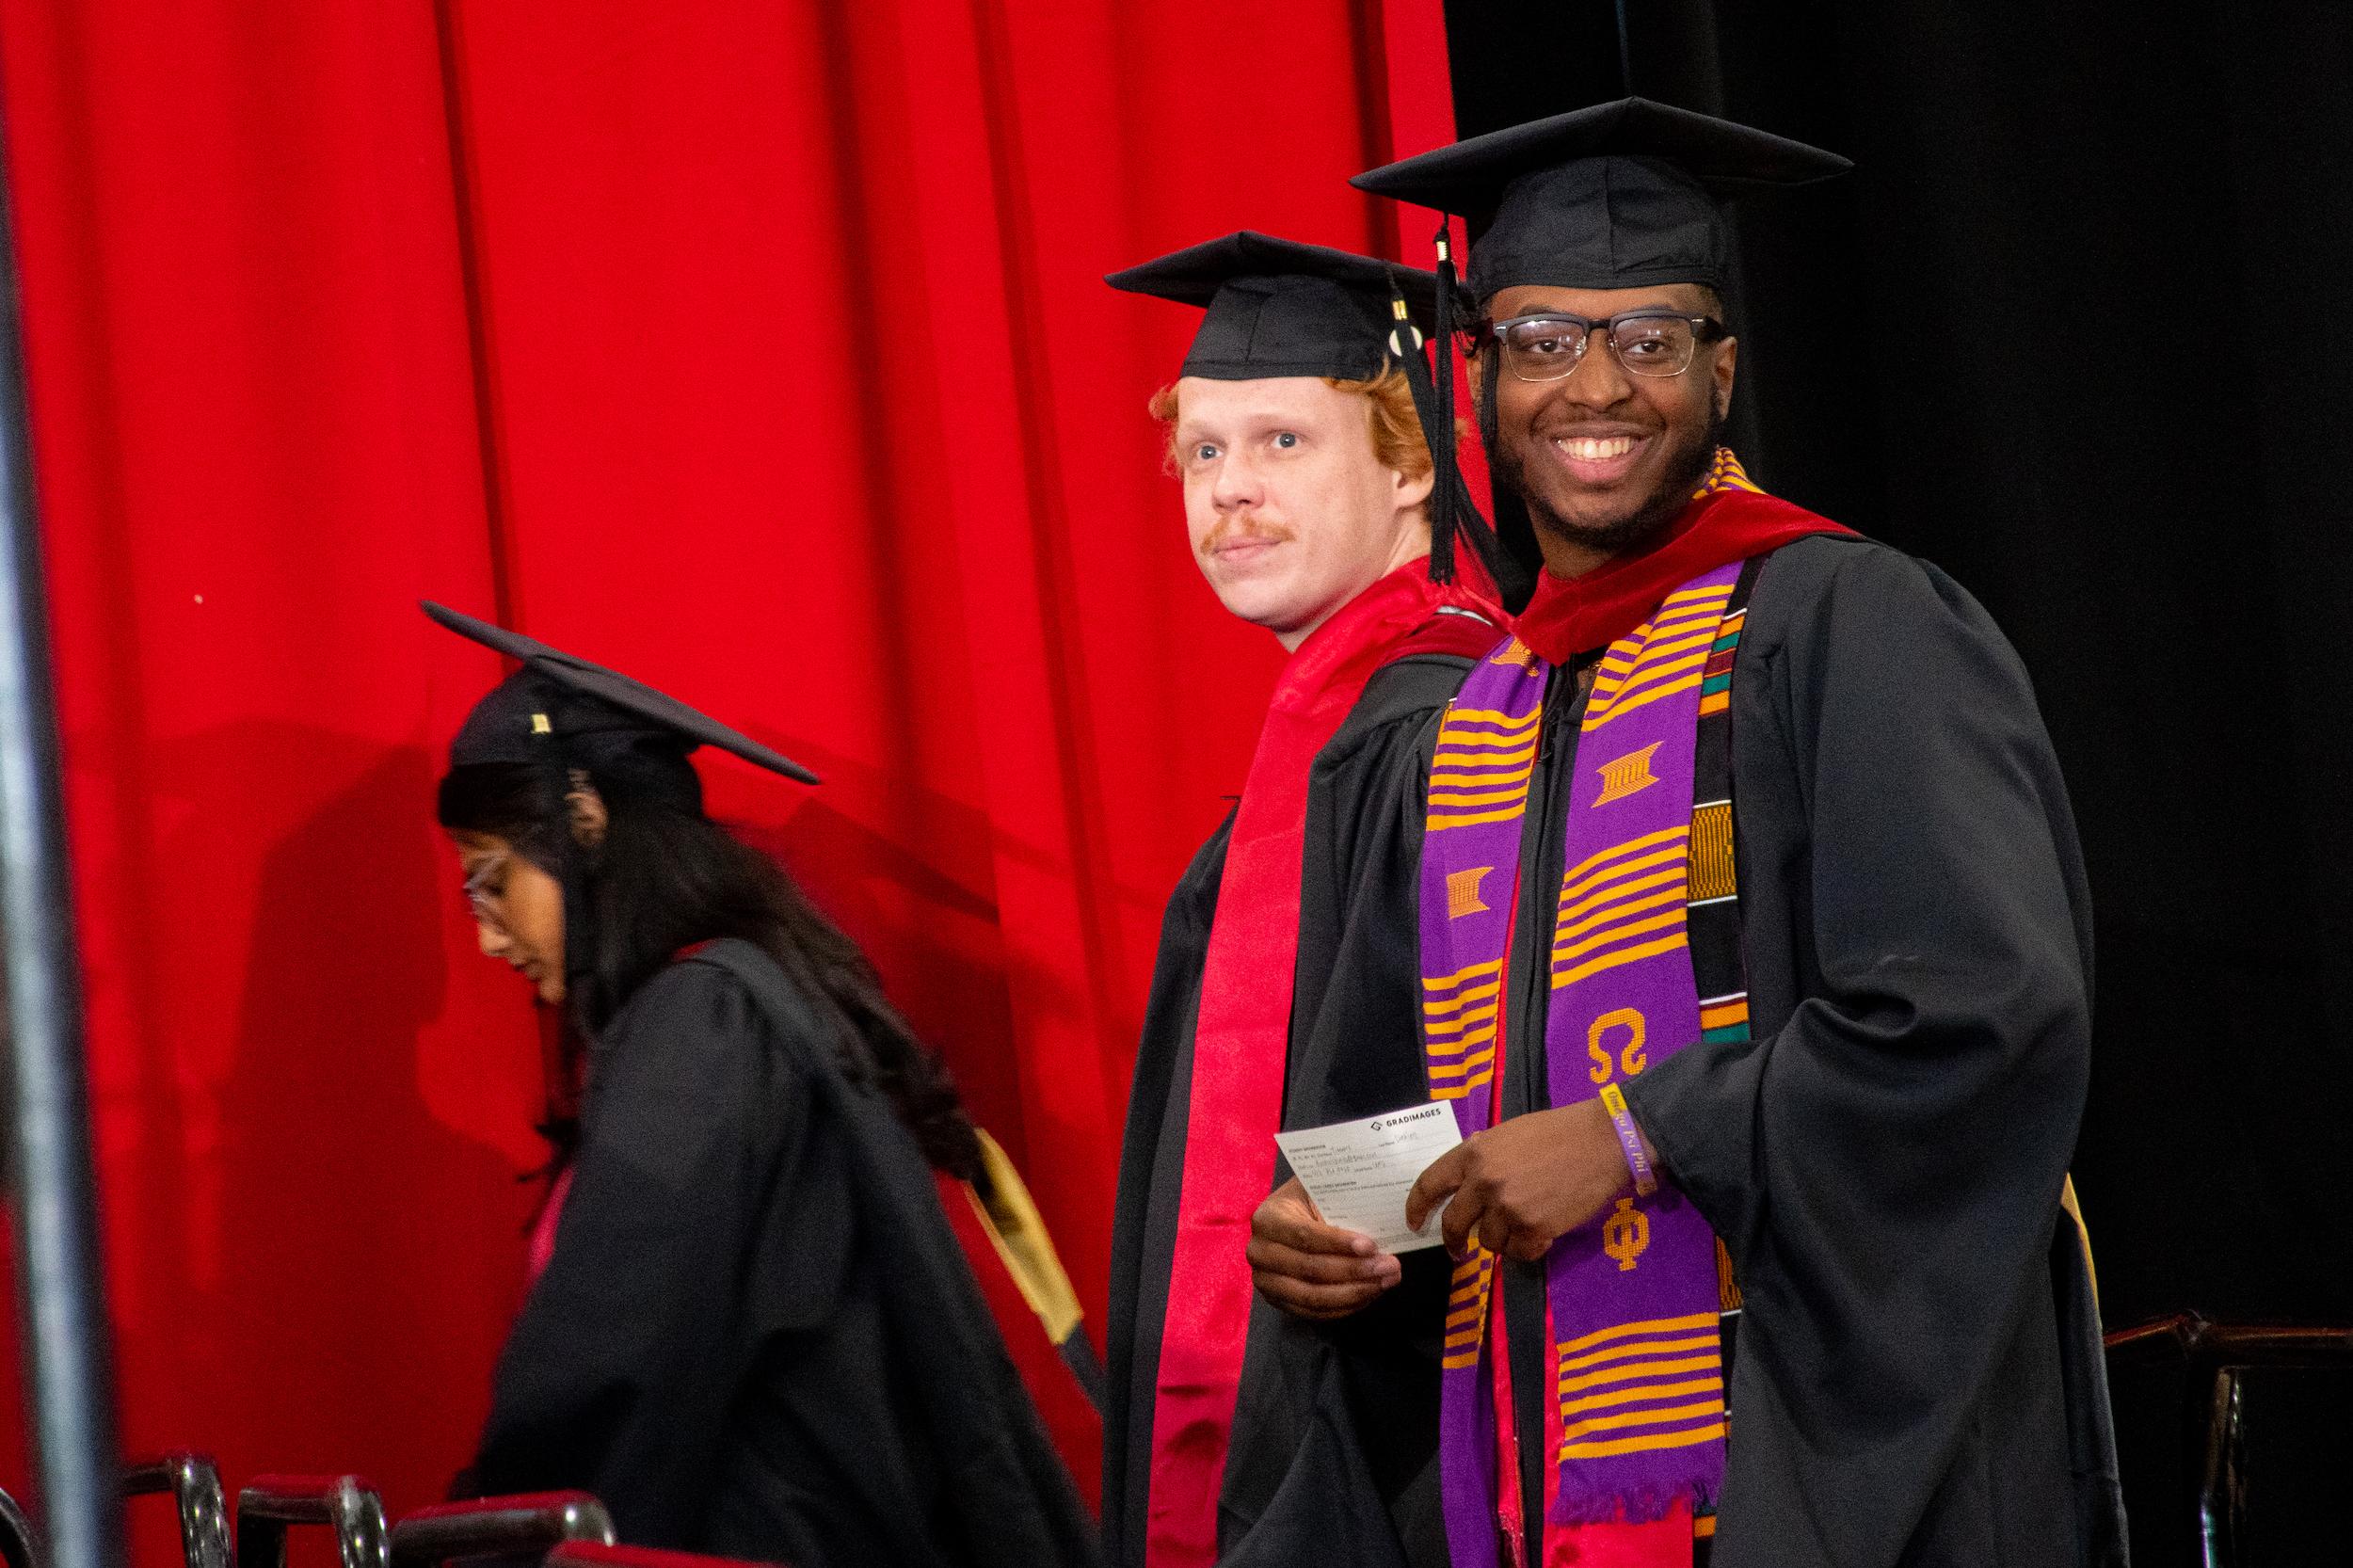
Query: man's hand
[1520,1185]
[1312,1270]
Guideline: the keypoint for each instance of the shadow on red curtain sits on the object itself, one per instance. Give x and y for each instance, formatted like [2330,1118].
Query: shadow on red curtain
[758,349]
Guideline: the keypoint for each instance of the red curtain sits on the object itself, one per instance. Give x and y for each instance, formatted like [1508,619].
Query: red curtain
[758,349]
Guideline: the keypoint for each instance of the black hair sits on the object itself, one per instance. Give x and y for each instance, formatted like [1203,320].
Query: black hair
[666,877]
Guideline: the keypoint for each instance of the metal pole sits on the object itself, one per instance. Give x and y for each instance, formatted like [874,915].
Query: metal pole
[59,1288]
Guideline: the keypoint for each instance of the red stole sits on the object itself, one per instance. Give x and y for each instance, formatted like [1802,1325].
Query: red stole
[1730,520]
[1243,1035]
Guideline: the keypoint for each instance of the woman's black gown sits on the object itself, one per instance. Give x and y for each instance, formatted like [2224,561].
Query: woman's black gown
[757,1336]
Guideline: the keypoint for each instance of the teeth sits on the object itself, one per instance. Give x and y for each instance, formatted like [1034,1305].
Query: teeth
[1588,450]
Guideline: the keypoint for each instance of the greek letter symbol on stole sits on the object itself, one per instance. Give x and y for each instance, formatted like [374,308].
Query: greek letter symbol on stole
[1626,1235]
[1633,1059]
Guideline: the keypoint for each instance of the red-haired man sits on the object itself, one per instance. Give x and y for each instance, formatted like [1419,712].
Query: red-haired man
[1297,427]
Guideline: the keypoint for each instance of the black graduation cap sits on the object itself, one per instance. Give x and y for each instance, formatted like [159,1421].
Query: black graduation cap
[1616,196]
[594,713]
[1274,307]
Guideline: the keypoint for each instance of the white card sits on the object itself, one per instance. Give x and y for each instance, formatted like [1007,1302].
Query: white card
[1359,1172]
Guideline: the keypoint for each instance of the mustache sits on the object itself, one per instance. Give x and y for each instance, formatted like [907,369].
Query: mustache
[1241,526]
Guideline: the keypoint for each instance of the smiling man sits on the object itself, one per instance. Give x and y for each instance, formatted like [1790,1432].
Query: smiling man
[1754,959]
[1298,430]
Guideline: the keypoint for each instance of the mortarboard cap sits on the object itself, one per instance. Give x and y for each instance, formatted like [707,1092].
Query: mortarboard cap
[594,712]
[1617,196]
[1272,307]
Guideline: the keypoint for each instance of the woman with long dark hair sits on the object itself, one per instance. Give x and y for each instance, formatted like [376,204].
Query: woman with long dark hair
[755,1333]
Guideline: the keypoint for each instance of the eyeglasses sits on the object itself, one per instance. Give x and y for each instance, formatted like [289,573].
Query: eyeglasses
[480,900]
[1550,347]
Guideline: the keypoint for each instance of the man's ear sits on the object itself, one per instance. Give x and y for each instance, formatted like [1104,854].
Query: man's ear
[1727,365]
[585,808]
[1415,491]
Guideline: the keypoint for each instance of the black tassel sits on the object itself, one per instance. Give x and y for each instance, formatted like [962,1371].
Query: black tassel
[1406,348]
[1452,513]
[1445,491]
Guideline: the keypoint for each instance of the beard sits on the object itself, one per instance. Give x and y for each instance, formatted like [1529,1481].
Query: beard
[1686,466]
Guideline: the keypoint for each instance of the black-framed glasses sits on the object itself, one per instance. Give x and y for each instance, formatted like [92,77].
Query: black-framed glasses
[1548,346]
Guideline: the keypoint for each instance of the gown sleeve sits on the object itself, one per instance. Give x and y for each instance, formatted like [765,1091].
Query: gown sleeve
[631,1336]
[1884,1166]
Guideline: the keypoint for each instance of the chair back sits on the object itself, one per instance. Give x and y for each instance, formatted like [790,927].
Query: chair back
[2214,1358]
[19,1547]
[271,1505]
[497,1525]
[193,1481]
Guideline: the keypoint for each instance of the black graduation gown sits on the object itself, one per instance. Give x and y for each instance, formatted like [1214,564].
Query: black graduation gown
[1144,1216]
[1152,1155]
[1918,1375]
[757,1335]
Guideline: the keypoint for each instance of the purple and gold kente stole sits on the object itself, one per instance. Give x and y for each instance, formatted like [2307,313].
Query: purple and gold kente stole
[1644,960]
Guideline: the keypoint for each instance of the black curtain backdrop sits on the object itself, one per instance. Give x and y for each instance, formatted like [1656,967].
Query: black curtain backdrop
[2076,330]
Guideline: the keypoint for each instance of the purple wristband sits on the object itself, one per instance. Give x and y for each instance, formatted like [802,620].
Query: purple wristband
[1629,1139]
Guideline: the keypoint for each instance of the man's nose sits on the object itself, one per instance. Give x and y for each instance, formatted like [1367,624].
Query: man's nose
[1237,484]
[490,938]
[1597,381]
